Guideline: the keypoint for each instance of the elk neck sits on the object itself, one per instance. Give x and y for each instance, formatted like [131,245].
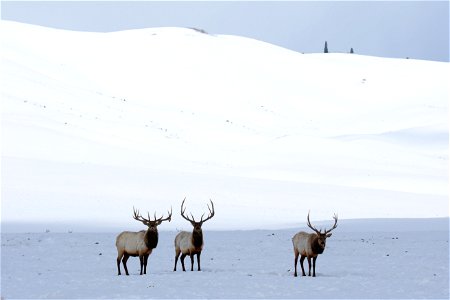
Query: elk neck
[315,246]
[151,238]
[197,238]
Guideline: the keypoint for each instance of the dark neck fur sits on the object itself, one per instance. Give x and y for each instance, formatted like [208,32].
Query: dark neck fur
[197,239]
[315,247]
[151,239]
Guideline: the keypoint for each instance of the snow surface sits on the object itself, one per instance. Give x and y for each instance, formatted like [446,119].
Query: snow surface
[364,259]
[93,124]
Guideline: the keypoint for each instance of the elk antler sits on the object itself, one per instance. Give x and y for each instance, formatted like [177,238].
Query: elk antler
[182,213]
[169,217]
[335,217]
[211,213]
[137,216]
[310,226]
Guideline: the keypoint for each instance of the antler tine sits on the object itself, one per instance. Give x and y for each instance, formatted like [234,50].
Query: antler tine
[182,210]
[310,226]
[182,203]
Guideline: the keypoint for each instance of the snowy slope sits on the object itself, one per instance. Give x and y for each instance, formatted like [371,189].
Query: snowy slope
[94,123]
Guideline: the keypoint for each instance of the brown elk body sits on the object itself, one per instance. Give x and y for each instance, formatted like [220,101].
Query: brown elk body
[191,243]
[139,243]
[310,245]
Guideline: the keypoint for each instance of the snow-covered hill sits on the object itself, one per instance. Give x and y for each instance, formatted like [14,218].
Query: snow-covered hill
[94,123]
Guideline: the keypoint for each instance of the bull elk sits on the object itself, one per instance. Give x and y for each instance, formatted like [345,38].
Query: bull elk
[310,245]
[139,243]
[191,243]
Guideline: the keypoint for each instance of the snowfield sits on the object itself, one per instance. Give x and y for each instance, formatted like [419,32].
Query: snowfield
[364,259]
[93,124]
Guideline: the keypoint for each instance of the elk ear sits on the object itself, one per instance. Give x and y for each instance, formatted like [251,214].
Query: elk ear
[328,235]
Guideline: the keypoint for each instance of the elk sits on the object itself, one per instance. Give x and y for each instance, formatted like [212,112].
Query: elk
[139,243]
[191,243]
[310,245]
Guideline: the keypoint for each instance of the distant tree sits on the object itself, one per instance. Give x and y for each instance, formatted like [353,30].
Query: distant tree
[199,30]
[325,50]
[351,50]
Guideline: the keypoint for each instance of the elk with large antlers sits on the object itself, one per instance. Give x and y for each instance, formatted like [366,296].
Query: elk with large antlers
[139,243]
[191,243]
[310,245]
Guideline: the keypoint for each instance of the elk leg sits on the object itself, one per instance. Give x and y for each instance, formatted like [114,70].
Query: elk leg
[295,263]
[177,254]
[141,259]
[309,266]
[118,263]
[145,263]
[198,261]
[302,258]
[124,261]
[192,261]
[182,261]
[314,266]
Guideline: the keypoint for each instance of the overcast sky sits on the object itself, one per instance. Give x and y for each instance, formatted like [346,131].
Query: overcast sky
[415,29]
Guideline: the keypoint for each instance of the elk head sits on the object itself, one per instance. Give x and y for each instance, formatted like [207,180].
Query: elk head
[322,236]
